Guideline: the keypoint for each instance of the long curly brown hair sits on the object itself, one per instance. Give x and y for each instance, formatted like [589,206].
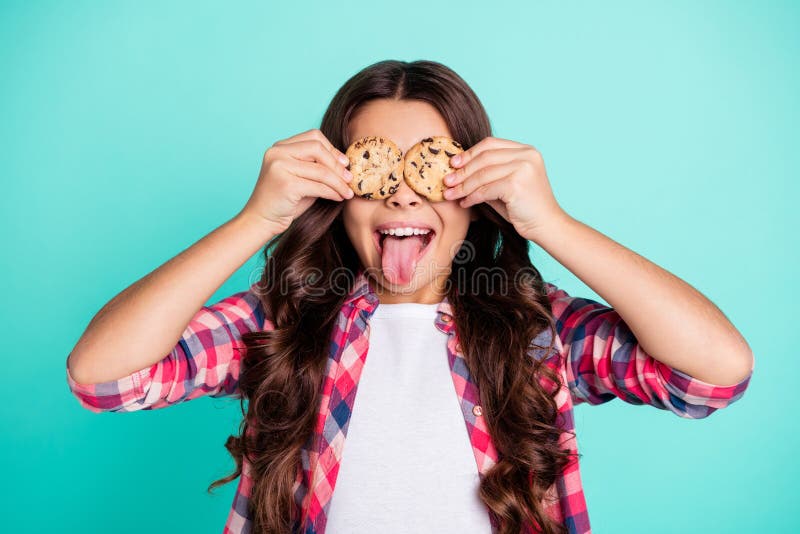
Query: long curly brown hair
[283,369]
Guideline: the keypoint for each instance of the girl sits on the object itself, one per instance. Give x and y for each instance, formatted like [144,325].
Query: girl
[472,339]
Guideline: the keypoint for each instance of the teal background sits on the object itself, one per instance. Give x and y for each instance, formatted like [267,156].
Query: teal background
[131,129]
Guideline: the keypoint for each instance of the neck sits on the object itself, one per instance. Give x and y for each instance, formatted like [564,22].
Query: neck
[432,293]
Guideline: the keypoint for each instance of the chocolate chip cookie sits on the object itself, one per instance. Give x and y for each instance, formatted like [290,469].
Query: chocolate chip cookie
[427,162]
[377,166]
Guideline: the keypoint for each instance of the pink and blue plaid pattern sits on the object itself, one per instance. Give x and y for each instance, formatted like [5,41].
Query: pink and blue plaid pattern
[595,353]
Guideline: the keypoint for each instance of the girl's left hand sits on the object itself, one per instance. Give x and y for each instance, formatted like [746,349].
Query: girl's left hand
[510,177]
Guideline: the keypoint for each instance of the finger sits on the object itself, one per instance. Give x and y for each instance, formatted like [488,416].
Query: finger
[486,143]
[312,188]
[322,174]
[316,134]
[480,178]
[314,150]
[496,190]
[484,158]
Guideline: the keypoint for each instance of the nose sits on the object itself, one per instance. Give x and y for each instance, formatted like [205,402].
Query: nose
[404,197]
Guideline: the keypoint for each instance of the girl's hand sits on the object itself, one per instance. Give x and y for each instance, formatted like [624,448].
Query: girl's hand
[294,172]
[510,177]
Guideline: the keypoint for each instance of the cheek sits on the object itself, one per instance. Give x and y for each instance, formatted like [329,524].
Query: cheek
[355,215]
[455,221]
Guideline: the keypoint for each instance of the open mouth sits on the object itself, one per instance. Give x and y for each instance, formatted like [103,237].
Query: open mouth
[379,238]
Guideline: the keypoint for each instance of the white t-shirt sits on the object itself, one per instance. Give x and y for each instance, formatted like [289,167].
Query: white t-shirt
[392,479]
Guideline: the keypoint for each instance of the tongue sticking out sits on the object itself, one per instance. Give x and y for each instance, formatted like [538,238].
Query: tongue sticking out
[400,256]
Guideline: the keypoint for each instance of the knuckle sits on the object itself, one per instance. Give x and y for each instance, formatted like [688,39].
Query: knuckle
[477,161]
[276,164]
[514,187]
[319,172]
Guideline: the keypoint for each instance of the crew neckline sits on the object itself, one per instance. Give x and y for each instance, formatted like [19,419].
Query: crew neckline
[406,309]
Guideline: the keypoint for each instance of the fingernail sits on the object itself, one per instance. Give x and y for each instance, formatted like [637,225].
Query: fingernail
[449,178]
[344,160]
[347,175]
[456,159]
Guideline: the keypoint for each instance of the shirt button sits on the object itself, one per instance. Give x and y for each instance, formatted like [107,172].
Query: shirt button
[458,347]
[446,317]
[477,410]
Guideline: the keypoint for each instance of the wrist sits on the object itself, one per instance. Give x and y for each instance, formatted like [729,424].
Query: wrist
[265,228]
[552,224]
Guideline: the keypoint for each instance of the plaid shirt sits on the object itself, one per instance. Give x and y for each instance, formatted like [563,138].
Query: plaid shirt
[601,361]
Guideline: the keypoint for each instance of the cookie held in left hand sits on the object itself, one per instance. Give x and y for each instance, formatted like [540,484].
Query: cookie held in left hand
[427,163]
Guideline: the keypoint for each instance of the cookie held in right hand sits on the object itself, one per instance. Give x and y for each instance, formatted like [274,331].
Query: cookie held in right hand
[377,166]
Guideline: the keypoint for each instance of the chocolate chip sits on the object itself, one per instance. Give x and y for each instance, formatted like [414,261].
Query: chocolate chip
[359,184]
[365,155]
[366,195]
[427,140]
[414,163]
[433,150]
[393,189]
[449,154]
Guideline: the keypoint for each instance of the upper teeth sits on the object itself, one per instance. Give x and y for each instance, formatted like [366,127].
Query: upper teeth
[405,231]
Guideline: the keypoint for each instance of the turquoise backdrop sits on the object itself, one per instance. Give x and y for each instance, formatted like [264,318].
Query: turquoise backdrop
[129,130]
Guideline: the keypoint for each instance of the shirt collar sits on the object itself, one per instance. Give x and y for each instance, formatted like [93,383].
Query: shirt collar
[363,296]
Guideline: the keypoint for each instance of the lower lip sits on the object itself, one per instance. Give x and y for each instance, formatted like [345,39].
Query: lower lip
[376,237]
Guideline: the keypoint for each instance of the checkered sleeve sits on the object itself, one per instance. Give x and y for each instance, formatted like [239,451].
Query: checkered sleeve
[205,361]
[604,361]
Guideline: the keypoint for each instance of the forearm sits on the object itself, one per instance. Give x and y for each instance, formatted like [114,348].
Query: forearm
[140,325]
[671,320]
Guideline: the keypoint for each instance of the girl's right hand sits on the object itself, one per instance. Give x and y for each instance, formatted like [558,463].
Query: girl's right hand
[296,171]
